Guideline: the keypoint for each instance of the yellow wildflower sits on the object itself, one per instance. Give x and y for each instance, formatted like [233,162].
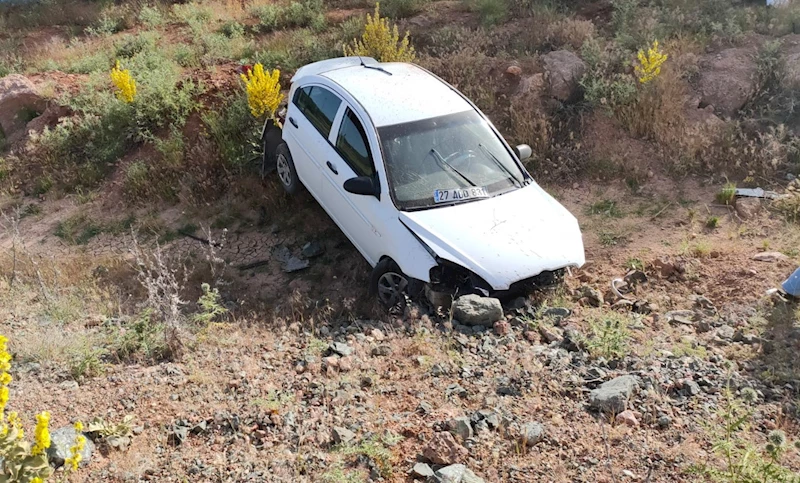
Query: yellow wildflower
[78,426]
[649,66]
[36,479]
[5,379]
[41,433]
[16,424]
[126,86]
[263,91]
[381,41]
[3,399]
[75,452]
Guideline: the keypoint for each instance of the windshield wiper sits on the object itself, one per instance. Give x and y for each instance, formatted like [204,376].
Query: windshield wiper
[502,166]
[443,162]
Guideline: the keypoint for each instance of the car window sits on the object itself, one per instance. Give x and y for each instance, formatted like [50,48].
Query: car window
[353,146]
[319,106]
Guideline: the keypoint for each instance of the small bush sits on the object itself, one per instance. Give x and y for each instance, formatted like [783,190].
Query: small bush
[151,17]
[303,13]
[402,8]
[232,29]
[712,222]
[607,208]
[727,194]
[381,41]
[491,12]
[136,179]
[141,339]
[186,55]
[235,132]
[129,45]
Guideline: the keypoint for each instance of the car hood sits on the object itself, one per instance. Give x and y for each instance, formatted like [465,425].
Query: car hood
[504,239]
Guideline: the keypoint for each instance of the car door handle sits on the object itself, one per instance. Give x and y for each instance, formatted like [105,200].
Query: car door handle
[332,167]
[294,123]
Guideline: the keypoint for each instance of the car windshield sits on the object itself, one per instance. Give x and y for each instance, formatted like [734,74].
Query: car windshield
[444,160]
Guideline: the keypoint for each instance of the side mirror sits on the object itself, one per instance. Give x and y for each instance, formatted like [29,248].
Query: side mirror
[523,152]
[362,185]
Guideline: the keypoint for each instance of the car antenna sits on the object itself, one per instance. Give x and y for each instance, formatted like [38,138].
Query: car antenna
[375,67]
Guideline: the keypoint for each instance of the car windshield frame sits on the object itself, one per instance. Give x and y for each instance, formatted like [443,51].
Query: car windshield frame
[389,133]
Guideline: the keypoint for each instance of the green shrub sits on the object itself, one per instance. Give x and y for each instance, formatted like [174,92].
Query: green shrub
[491,12]
[136,179]
[151,17]
[96,62]
[141,339]
[129,45]
[235,133]
[303,13]
[401,8]
[606,83]
[186,55]
[267,16]
[232,29]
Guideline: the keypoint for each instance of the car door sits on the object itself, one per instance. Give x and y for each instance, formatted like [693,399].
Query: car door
[310,118]
[350,154]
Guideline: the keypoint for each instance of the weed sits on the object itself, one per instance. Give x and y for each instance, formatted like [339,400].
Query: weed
[611,239]
[87,363]
[129,45]
[491,12]
[140,339]
[789,205]
[77,230]
[634,264]
[275,402]
[210,305]
[727,194]
[690,349]
[700,249]
[377,450]
[609,336]
[232,29]
[337,474]
[712,222]
[235,132]
[606,208]
[315,347]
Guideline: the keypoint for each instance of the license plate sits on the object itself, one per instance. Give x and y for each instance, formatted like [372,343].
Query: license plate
[444,196]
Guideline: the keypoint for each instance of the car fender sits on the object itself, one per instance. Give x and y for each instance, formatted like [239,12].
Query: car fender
[411,254]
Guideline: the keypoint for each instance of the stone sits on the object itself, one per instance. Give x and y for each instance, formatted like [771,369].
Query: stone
[476,310]
[531,434]
[442,449]
[342,435]
[726,332]
[557,313]
[635,277]
[770,257]
[449,474]
[628,418]
[592,296]
[502,327]
[549,334]
[728,79]
[312,249]
[747,208]
[421,470]
[341,348]
[563,72]
[470,477]
[18,102]
[514,71]
[664,421]
[382,350]
[460,427]
[61,440]
[612,396]
[690,388]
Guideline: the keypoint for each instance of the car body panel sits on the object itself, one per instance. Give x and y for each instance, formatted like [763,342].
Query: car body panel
[504,239]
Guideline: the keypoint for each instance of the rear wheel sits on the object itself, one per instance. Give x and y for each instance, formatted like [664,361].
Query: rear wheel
[286,172]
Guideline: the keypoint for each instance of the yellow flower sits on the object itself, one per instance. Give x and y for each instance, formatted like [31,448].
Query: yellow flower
[650,63]
[126,86]
[381,41]
[78,426]
[75,452]
[263,91]
[3,399]
[5,379]
[41,433]
[36,479]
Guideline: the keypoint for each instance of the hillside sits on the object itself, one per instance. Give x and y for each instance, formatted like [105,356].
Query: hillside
[146,256]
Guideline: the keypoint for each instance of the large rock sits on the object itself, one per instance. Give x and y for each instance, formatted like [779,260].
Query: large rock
[18,102]
[564,71]
[454,474]
[443,449]
[477,310]
[61,440]
[728,79]
[612,396]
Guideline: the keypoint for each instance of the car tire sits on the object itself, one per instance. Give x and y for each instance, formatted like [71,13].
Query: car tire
[287,175]
[389,284]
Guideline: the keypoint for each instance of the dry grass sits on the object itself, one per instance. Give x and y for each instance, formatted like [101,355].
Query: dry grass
[570,32]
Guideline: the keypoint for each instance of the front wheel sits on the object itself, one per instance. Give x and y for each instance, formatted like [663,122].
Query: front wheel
[389,283]
[286,172]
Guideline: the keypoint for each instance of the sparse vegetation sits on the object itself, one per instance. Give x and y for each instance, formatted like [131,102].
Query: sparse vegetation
[609,336]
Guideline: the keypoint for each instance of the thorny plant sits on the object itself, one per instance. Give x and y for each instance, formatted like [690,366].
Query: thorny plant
[743,461]
[163,286]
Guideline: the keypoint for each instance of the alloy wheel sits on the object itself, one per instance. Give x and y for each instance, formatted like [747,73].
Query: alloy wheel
[391,288]
[284,171]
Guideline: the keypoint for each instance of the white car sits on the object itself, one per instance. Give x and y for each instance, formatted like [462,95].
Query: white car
[420,181]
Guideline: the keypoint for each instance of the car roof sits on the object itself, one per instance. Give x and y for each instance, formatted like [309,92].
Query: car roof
[409,94]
